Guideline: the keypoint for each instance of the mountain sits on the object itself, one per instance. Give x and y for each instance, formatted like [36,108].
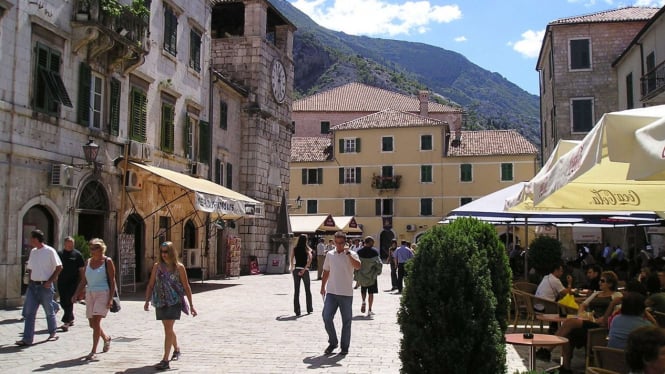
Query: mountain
[325,59]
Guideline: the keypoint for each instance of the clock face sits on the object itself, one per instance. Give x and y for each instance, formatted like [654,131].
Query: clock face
[278,77]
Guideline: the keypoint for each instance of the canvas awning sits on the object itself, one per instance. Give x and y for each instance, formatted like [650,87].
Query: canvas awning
[309,224]
[348,224]
[209,196]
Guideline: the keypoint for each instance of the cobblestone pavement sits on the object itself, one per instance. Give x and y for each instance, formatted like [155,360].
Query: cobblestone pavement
[245,325]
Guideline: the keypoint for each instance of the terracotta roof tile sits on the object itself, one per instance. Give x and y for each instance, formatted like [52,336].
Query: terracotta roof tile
[490,143]
[309,149]
[358,97]
[612,15]
[388,118]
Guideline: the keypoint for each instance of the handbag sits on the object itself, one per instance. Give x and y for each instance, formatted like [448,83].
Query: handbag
[569,301]
[115,304]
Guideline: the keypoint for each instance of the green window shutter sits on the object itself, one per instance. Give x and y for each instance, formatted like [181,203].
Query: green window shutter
[341,146]
[83,110]
[319,175]
[229,176]
[204,142]
[377,207]
[304,176]
[138,116]
[114,107]
[341,175]
[186,140]
[167,128]
[357,145]
[358,175]
[195,50]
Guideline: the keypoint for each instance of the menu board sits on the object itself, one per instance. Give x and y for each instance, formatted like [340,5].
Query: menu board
[127,260]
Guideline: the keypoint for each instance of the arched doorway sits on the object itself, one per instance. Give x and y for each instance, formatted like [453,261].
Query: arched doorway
[385,239]
[93,208]
[135,226]
[37,217]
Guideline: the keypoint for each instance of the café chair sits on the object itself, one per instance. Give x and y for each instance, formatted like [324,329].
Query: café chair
[595,370]
[526,287]
[596,337]
[523,304]
[610,358]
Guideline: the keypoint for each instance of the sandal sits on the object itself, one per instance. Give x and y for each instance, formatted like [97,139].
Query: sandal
[53,337]
[21,343]
[175,356]
[362,308]
[107,344]
[91,356]
[163,365]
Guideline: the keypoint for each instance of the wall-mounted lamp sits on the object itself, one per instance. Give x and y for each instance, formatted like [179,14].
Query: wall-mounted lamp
[90,151]
[298,202]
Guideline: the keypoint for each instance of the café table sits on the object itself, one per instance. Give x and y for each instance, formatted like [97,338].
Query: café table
[538,340]
[553,317]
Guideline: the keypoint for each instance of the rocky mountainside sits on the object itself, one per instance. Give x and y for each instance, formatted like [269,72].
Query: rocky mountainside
[325,59]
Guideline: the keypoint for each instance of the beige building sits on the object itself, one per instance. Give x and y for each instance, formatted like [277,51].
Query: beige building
[398,173]
[640,69]
[577,81]
[138,83]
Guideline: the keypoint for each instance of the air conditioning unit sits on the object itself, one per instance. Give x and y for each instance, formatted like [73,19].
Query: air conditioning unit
[147,152]
[411,227]
[191,257]
[132,181]
[62,175]
[196,169]
[135,151]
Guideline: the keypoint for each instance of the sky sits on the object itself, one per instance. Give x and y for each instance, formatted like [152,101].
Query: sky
[502,36]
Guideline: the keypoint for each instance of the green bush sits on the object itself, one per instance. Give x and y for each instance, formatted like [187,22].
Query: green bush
[82,245]
[543,252]
[449,314]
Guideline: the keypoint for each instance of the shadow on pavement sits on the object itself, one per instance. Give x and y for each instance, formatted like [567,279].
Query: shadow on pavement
[323,361]
[139,370]
[64,364]
[10,321]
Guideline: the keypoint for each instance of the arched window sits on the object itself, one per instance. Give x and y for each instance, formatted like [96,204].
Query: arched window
[190,235]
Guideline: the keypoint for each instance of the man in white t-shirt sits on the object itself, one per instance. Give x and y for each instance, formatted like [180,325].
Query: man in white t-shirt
[337,290]
[551,288]
[44,265]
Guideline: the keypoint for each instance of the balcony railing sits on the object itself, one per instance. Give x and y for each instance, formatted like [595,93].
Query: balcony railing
[653,81]
[380,182]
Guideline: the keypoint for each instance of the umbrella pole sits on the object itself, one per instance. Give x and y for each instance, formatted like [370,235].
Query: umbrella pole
[526,248]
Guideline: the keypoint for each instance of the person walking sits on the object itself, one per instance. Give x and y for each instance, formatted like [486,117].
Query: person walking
[302,254]
[393,266]
[167,288]
[370,268]
[337,291]
[98,279]
[402,255]
[68,280]
[320,257]
[44,266]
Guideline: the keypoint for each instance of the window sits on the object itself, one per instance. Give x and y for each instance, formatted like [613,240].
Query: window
[506,172]
[384,207]
[219,172]
[204,142]
[170,30]
[190,136]
[466,174]
[426,142]
[195,50]
[49,89]
[312,176]
[650,63]
[465,200]
[138,115]
[114,107]
[349,175]
[229,176]
[312,206]
[91,96]
[164,229]
[580,54]
[426,207]
[386,171]
[349,207]
[582,114]
[167,127]
[325,127]
[630,102]
[426,173]
[350,145]
[387,144]
[223,115]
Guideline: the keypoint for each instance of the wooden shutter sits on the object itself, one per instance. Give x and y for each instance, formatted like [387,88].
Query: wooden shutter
[204,142]
[187,137]
[114,107]
[304,176]
[358,175]
[341,146]
[138,116]
[319,175]
[377,207]
[83,110]
[229,176]
[219,172]
[357,145]
[341,175]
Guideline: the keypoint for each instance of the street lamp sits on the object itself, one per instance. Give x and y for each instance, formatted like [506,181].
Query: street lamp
[90,151]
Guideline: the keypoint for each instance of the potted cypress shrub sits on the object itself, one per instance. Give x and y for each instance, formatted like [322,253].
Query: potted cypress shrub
[543,252]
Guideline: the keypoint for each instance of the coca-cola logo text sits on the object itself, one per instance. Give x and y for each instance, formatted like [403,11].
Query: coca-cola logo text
[607,197]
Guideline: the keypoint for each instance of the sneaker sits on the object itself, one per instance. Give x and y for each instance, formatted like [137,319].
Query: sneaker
[162,365]
[543,354]
[330,349]
[344,353]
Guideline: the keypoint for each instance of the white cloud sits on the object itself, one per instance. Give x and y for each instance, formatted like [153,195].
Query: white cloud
[650,3]
[460,39]
[529,45]
[378,17]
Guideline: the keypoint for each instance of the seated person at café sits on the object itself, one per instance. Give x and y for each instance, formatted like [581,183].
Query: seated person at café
[575,329]
[593,278]
[645,350]
[551,288]
[631,317]
[656,299]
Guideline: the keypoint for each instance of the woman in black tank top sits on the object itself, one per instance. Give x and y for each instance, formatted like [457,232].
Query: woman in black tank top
[302,254]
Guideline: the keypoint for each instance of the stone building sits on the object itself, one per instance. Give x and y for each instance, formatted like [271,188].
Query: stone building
[190,120]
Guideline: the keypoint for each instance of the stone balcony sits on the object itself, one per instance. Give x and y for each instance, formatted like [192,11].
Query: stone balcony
[115,34]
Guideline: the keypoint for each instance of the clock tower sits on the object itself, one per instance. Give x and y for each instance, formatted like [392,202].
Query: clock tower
[252,46]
